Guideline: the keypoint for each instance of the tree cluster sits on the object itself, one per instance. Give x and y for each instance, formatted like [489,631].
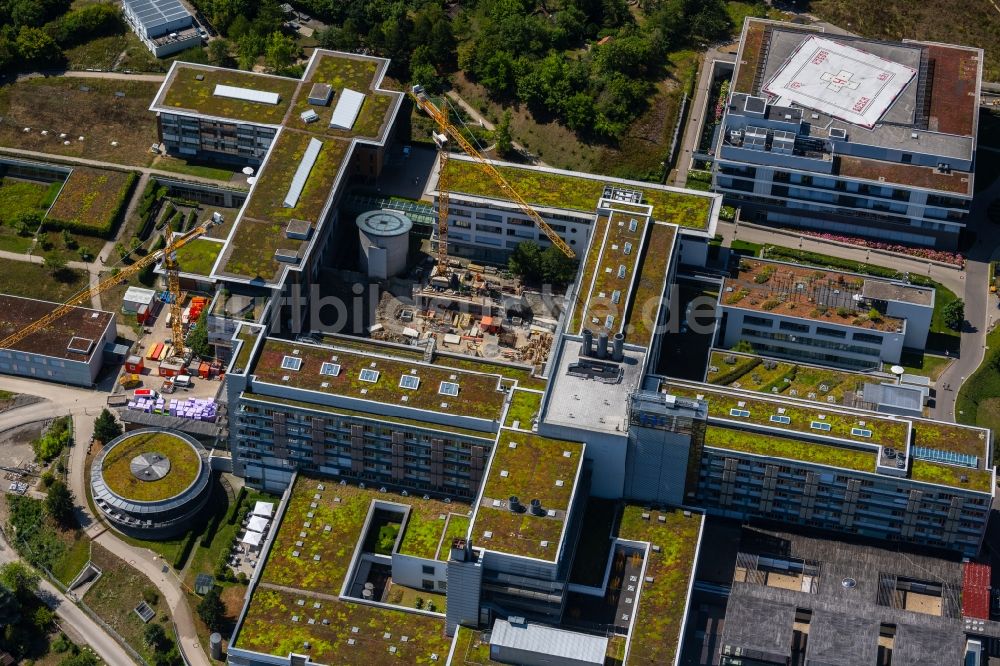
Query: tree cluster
[535,265]
[35,32]
[253,29]
[24,619]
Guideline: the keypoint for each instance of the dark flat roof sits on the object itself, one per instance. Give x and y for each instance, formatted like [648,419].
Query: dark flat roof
[54,340]
[744,628]
[838,639]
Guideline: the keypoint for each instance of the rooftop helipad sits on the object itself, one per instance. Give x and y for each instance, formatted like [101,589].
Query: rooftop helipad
[840,80]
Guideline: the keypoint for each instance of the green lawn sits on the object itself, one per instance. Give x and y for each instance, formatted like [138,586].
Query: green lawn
[743,247]
[523,406]
[192,168]
[99,53]
[25,196]
[73,559]
[198,256]
[927,365]
[119,589]
[19,278]
[979,398]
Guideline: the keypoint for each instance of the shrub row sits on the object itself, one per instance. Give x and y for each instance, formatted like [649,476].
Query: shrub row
[235,511]
[185,551]
[737,372]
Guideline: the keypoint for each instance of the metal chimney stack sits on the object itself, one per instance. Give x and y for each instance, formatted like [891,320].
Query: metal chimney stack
[618,348]
[588,343]
[602,345]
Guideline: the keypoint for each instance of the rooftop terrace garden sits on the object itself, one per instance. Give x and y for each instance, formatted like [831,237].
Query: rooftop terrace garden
[188,92]
[587,276]
[199,256]
[792,449]
[753,40]
[185,463]
[250,253]
[649,285]
[951,475]
[458,528]
[268,196]
[951,437]
[524,406]
[577,192]
[754,373]
[343,633]
[528,467]
[807,293]
[425,532]
[478,394]
[342,71]
[655,635]
[722,405]
[609,277]
[307,556]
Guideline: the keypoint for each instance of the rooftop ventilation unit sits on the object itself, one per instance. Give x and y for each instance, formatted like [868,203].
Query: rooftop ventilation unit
[536,507]
[838,133]
[514,504]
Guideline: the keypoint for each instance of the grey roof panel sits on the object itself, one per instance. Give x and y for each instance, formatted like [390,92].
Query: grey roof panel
[154,13]
[302,173]
[542,639]
[347,109]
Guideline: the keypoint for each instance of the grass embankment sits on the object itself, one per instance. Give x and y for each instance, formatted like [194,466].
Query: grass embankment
[979,398]
[19,278]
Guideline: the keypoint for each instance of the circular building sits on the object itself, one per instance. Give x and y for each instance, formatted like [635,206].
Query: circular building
[385,242]
[151,483]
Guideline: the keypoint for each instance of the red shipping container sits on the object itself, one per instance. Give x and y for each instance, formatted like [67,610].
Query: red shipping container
[134,364]
[203,370]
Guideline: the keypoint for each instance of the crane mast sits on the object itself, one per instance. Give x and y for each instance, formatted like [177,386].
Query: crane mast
[107,283]
[506,188]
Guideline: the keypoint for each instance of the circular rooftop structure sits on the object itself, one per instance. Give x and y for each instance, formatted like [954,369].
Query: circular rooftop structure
[384,223]
[151,483]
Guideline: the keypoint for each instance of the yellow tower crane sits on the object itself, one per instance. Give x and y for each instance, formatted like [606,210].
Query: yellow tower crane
[441,118]
[168,254]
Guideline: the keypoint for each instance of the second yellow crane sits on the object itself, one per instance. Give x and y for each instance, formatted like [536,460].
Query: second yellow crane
[441,118]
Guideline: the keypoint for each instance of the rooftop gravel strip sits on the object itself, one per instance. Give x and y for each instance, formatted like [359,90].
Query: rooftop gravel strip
[530,470]
[793,449]
[186,92]
[770,287]
[184,466]
[557,190]
[352,634]
[344,508]
[609,276]
[655,637]
[340,72]
[887,432]
[649,287]
[478,394]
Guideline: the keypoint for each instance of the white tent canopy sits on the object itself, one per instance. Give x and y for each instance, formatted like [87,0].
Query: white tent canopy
[252,538]
[265,509]
[257,524]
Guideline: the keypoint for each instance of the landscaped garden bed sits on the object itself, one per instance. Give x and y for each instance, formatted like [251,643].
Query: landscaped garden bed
[91,201]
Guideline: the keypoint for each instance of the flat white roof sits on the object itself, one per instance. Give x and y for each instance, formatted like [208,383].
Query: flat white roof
[252,538]
[540,639]
[139,295]
[302,173]
[246,94]
[347,109]
[839,80]
[257,524]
